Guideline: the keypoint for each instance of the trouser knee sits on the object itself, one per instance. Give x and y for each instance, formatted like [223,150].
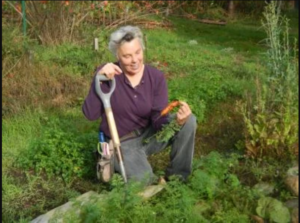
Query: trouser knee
[190,125]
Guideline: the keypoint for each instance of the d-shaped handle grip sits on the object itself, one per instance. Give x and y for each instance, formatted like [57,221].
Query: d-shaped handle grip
[105,97]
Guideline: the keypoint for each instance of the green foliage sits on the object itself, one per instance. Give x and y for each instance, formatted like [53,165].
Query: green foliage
[208,186]
[29,196]
[253,8]
[166,133]
[282,63]
[221,65]
[230,216]
[229,201]
[210,173]
[215,164]
[273,210]
[11,42]
[178,204]
[271,121]
[205,73]
[75,59]
[60,151]
[214,13]
[123,204]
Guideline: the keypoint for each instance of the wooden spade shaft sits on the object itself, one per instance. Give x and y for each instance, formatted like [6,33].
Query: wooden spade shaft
[116,140]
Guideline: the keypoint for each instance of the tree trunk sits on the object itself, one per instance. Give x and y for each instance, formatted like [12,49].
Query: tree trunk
[231,9]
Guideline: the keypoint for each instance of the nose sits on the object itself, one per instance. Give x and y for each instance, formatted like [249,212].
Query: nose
[134,59]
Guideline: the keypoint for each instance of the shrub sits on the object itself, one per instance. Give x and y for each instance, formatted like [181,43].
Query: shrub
[271,121]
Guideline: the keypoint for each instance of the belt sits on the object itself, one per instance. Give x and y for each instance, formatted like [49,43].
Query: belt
[133,134]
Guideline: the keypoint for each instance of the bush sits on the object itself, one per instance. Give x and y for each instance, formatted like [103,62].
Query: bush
[271,121]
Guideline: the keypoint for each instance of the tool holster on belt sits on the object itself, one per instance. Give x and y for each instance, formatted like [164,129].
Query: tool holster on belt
[105,164]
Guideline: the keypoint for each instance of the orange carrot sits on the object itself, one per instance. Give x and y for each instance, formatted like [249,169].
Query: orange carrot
[170,107]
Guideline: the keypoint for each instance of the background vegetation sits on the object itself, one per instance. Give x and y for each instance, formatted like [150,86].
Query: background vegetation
[236,67]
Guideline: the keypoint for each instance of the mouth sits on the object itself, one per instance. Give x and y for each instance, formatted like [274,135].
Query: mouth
[135,66]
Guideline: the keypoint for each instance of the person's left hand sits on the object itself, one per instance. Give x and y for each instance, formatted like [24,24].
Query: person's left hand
[183,113]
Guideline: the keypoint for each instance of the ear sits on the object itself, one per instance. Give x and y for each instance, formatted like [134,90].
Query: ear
[117,55]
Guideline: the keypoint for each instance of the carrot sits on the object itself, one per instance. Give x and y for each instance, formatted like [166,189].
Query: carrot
[170,107]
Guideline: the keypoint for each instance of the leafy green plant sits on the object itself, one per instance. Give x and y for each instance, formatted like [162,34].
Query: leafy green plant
[210,173]
[231,215]
[271,121]
[166,133]
[273,210]
[60,152]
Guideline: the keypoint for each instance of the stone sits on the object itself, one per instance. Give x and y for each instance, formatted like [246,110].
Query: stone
[292,180]
[257,219]
[193,42]
[265,188]
[65,207]
[151,190]
[147,193]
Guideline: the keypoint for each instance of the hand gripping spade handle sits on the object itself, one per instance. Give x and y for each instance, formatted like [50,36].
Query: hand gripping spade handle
[105,97]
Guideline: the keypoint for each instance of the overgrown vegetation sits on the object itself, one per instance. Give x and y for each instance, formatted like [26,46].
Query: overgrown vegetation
[272,119]
[198,201]
[61,150]
[48,145]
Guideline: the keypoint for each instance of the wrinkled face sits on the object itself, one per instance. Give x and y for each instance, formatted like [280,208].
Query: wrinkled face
[130,55]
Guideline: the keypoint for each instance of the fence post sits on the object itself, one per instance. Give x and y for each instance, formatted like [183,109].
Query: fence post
[96,44]
[24,17]
[24,24]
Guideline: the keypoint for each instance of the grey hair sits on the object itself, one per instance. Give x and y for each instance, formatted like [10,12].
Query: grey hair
[124,34]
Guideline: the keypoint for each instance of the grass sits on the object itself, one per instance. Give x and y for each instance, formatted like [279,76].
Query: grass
[219,69]
[209,75]
[242,38]
[18,132]
[28,194]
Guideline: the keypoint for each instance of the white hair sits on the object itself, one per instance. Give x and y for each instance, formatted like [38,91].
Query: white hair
[124,34]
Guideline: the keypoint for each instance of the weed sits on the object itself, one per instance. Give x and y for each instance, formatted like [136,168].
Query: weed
[178,202]
[270,122]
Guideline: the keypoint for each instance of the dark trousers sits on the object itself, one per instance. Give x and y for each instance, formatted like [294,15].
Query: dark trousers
[135,152]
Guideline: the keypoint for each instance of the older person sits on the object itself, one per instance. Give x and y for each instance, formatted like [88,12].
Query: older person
[140,95]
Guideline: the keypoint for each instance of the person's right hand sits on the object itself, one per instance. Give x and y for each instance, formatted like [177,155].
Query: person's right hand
[110,70]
